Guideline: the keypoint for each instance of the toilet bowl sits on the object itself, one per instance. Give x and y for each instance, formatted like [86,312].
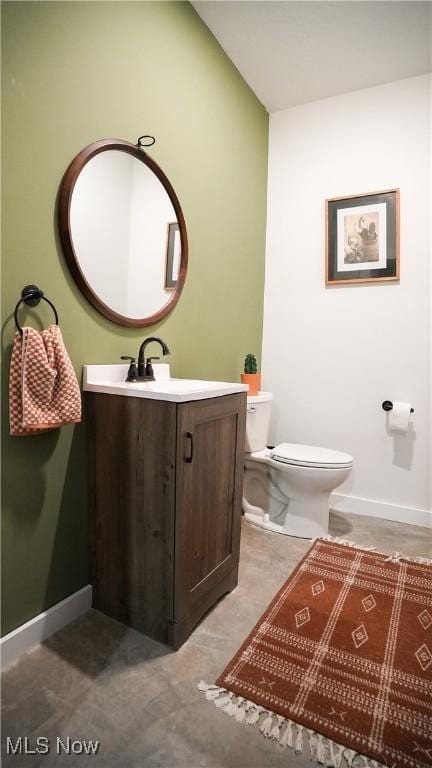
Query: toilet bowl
[287,488]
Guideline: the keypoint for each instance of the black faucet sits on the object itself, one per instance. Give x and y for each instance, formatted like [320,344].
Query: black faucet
[144,370]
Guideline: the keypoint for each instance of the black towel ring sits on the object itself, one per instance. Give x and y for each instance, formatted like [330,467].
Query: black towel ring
[31,295]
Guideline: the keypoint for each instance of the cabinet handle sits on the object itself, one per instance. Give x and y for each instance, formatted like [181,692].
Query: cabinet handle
[189,456]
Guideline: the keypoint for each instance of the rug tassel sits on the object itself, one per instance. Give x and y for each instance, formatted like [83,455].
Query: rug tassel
[396,557]
[211,695]
[202,686]
[298,747]
[240,714]
[289,735]
[349,755]
[253,715]
[275,733]
[312,743]
[230,708]
[330,757]
[286,732]
[222,701]
[345,542]
[321,750]
[266,725]
[336,752]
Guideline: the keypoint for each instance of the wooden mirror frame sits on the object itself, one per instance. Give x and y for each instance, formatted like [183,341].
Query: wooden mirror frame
[64,202]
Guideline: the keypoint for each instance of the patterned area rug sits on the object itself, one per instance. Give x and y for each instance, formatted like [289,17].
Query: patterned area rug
[341,661]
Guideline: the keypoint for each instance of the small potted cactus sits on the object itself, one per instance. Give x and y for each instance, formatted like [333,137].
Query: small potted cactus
[250,375]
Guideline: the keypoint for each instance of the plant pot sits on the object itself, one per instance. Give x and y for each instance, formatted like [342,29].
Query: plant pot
[253,380]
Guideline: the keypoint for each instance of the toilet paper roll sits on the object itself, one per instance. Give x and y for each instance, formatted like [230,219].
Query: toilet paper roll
[399,417]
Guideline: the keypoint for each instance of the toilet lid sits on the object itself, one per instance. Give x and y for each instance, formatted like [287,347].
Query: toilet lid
[310,456]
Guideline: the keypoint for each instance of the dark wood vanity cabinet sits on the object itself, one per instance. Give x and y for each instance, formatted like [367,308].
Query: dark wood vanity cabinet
[165,506]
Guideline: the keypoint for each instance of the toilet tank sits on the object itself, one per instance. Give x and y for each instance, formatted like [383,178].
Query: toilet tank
[258,421]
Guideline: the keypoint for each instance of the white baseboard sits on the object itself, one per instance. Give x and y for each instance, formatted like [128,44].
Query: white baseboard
[39,628]
[381,509]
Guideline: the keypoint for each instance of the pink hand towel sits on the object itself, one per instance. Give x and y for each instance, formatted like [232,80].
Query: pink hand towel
[43,389]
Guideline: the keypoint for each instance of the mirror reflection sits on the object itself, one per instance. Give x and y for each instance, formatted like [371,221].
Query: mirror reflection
[125,234]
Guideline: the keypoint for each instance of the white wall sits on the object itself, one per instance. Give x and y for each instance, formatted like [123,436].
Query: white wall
[332,355]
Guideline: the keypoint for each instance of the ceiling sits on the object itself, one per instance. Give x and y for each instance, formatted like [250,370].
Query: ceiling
[292,52]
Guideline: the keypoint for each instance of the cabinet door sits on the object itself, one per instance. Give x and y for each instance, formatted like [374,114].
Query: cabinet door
[132,454]
[210,445]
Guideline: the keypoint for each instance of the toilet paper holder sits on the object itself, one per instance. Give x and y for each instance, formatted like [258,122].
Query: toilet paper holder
[388,406]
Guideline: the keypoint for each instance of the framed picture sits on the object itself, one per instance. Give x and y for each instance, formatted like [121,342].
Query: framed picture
[362,238]
[173,255]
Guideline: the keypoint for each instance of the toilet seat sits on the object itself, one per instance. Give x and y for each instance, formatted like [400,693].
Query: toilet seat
[310,456]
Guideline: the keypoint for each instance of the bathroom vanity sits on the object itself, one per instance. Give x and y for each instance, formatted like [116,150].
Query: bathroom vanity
[165,456]
[165,471]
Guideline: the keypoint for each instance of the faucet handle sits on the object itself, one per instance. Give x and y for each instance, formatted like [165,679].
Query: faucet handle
[132,372]
[149,368]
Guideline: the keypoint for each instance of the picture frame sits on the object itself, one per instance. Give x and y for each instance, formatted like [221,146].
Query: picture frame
[173,256]
[362,238]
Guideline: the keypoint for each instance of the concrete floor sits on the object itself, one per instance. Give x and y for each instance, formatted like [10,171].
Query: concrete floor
[96,679]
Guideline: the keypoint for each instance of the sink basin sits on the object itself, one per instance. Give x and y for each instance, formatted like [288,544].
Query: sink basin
[178,386]
[111,380]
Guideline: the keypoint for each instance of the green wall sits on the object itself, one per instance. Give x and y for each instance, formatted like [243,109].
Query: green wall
[74,73]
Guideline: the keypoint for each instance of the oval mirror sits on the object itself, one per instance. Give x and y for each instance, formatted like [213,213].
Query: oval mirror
[123,232]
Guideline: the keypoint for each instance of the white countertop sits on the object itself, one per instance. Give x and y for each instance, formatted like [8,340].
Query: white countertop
[110,379]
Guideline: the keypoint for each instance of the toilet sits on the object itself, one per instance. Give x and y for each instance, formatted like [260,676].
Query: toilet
[287,488]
